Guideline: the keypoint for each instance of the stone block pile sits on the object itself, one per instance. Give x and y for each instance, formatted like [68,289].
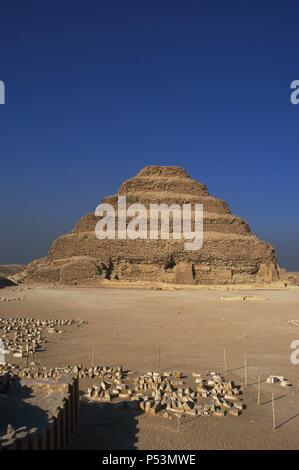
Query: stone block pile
[154,392]
[213,395]
[279,380]
[151,392]
[23,337]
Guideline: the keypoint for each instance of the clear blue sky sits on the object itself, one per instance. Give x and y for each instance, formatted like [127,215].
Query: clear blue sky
[95,90]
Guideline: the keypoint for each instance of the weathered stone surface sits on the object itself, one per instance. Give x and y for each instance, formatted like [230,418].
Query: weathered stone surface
[84,269]
[8,270]
[230,254]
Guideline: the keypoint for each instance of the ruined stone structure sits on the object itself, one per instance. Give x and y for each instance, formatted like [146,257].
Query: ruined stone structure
[230,253]
[48,416]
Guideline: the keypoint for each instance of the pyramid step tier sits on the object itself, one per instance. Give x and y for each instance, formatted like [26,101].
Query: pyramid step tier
[173,185]
[226,223]
[210,204]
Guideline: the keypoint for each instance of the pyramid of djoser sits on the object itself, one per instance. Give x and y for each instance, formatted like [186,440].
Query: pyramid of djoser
[230,254]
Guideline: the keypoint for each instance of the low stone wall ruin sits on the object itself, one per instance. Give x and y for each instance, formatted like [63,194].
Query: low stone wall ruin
[61,425]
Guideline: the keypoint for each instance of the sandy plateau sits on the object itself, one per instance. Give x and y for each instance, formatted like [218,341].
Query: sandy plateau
[190,326]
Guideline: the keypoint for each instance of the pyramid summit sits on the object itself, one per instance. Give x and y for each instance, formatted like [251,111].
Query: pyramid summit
[230,253]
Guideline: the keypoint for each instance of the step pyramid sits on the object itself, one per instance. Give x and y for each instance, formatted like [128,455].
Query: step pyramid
[230,253]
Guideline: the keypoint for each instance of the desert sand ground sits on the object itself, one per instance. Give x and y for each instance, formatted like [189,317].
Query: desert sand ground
[191,327]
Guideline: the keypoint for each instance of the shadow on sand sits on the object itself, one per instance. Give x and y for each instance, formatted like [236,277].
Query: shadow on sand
[15,410]
[287,420]
[105,426]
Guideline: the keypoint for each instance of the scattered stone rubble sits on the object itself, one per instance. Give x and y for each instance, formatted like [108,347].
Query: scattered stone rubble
[9,299]
[154,392]
[10,438]
[278,379]
[293,322]
[25,336]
